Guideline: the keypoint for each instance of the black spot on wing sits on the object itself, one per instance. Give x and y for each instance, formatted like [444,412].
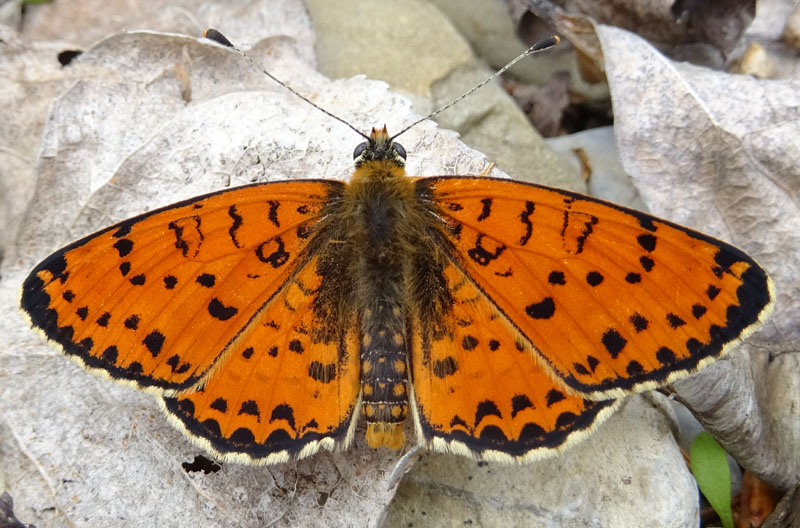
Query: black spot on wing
[85,345]
[554,396]
[613,342]
[483,256]
[665,356]
[220,404]
[633,278]
[175,364]
[592,362]
[273,252]
[588,227]
[532,434]
[206,280]
[486,210]
[322,373]
[104,319]
[634,368]
[123,246]
[180,243]
[444,367]
[273,212]
[566,420]
[639,323]
[519,403]
[110,355]
[132,322]
[218,310]
[243,437]
[283,411]
[250,408]
[556,278]
[486,408]
[647,242]
[646,222]
[594,278]
[712,292]
[725,259]
[698,310]
[237,223]
[469,342]
[675,321]
[492,435]
[124,228]
[154,341]
[525,218]
[543,309]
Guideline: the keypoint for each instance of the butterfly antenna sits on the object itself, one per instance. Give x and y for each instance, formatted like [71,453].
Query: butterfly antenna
[219,38]
[541,45]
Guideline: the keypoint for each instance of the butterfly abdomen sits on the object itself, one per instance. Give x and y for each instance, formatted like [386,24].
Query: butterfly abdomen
[384,376]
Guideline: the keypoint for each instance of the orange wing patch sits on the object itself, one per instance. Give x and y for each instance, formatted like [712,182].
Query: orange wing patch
[154,301]
[479,390]
[613,300]
[284,390]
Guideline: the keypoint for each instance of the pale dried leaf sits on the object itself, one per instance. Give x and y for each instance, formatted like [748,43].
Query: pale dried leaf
[720,153]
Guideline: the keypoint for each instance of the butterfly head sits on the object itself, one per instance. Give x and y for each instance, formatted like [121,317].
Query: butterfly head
[379,147]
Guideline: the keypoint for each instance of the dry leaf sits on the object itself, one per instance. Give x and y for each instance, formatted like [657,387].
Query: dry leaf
[720,152]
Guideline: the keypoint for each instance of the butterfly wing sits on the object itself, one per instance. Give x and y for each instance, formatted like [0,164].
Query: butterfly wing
[286,389]
[156,300]
[613,301]
[479,390]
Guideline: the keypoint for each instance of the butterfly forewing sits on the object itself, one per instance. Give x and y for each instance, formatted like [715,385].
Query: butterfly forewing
[614,301]
[155,300]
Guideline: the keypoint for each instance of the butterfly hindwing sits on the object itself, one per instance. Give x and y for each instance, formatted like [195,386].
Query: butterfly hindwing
[615,301]
[479,390]
[285,388]
[155,300]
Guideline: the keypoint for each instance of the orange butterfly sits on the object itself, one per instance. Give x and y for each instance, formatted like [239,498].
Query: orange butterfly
[506,317]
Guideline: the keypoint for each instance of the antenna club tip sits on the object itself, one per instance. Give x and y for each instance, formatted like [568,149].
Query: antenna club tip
[216,36]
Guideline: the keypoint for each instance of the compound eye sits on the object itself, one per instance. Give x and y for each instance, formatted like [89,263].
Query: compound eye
[398,148]
[359,150]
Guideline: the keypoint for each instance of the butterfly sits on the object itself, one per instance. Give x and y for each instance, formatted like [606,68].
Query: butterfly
[507,318]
